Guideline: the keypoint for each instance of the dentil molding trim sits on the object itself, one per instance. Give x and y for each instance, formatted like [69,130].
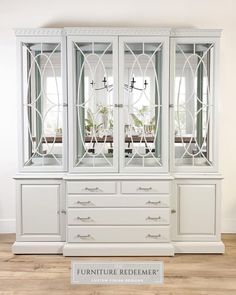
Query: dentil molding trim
[70,31]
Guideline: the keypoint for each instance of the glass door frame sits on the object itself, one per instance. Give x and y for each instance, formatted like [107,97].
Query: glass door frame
[164,98]
[72,102]
[57,37]
[215,111]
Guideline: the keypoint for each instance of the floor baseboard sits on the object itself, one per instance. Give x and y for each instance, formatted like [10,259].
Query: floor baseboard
[7,226]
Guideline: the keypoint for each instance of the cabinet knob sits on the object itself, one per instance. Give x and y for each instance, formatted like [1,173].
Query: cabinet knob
[173,211]
[63,211]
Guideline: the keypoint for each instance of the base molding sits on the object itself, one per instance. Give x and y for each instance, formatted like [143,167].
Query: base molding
[38,247]
[118,249]
[121,249]
[199,247]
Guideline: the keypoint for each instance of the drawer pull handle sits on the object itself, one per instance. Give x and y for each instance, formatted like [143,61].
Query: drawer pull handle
[153,203]
[83,236]
[84,203]
[153,218]
[92,189]
[153,236]
[144,188]
[84,218]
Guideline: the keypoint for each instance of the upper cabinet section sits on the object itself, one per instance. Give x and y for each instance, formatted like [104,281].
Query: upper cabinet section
[194,108]
[43,103]
[137,97]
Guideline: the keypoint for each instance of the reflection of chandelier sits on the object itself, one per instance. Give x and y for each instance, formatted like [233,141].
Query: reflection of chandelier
[127,87]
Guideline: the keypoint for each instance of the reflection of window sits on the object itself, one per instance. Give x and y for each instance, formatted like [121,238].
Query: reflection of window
[180,117]
[53,120]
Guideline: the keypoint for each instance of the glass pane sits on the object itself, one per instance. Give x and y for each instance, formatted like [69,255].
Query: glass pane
[94,104]
[193,104]
[142,104]
[42,95]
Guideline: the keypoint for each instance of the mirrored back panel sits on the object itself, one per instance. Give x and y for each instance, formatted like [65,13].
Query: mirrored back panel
[42,104]
[194,104]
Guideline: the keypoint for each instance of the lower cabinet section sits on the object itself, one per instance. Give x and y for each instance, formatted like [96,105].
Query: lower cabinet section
[118,217]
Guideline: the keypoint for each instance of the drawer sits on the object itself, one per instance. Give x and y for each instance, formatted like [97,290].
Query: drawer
[118,234]
[152,201]
[91,187]
[145,187]
[113,216]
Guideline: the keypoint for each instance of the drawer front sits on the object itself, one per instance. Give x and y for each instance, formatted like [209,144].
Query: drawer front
[91,187]
[88,201]
[118,234]
[114,216]
[145,187]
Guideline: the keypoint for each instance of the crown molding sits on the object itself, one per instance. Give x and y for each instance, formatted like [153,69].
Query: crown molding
[39,32]
[70,31]
[115,31]
[195,32]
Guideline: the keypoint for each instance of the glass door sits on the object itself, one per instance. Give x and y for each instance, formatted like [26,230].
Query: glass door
[144,104]
[194,104]
[93,66]
[44,104]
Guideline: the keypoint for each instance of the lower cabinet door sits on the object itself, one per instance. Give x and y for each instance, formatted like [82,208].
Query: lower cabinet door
[40,211]
[196,211]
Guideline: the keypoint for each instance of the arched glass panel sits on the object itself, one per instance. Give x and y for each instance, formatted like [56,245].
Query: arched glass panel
[94,104]
[42,104]
[193,104]
[142,110]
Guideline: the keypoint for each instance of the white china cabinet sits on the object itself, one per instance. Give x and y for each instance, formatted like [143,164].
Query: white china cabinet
[118,142]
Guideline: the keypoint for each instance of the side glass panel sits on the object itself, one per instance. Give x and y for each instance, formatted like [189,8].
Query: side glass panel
[142,104]
[193,104]
[94,104]
[42,104]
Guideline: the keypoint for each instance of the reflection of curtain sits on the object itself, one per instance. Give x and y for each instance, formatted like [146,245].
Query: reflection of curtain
[158,68]
[79,101]
[39,104]
[199,101]
[29,109]
[208,102]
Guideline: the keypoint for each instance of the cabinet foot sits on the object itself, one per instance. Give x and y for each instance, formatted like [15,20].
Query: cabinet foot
[199,247]
[38,247]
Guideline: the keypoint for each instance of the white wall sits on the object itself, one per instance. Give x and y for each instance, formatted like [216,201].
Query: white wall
[53,13]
